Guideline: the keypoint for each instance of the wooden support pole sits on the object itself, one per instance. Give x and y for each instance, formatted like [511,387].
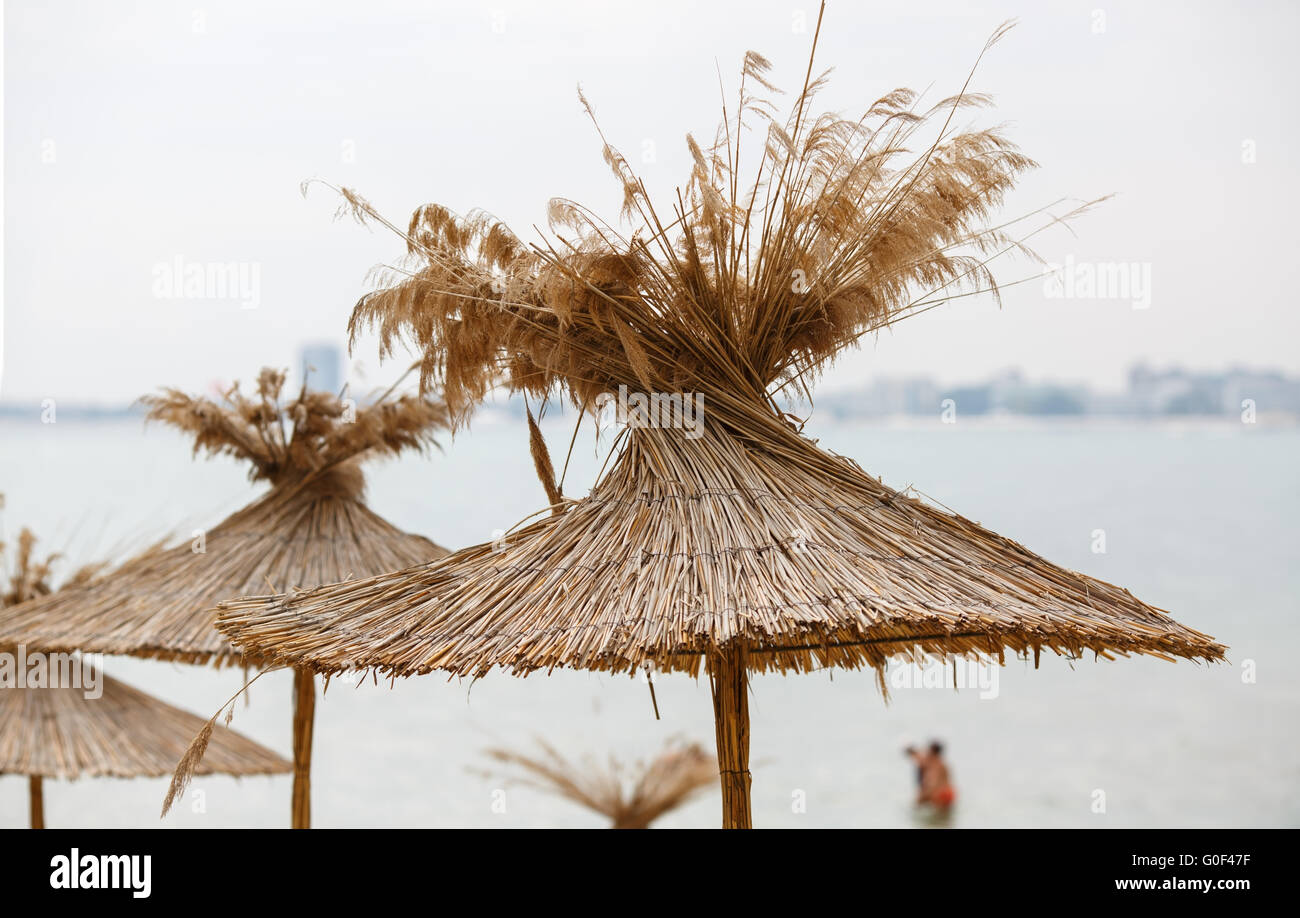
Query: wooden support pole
[304,715]
[730,684]
[37,794]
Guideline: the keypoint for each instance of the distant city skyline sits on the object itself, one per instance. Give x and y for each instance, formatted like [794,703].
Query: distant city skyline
[1148,391]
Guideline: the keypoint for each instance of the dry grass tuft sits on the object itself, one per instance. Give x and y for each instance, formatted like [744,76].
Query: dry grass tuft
[284,440]
[28,577]
[769,262]
[631,797]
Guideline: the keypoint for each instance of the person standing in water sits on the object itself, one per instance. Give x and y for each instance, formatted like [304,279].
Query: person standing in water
[933,783]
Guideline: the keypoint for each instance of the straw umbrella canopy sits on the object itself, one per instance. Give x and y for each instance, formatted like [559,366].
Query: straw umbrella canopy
[311,527]
[718,539]
[630,796]
[57,731]
[123,733]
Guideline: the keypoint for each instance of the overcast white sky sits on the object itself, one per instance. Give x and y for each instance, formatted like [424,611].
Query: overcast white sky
[136,133]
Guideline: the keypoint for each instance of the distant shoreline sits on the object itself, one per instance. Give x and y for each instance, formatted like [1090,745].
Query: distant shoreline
[25,414]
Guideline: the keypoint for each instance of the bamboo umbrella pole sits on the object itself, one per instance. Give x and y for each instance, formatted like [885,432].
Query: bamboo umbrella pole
[304,713]
[730,684]
[37,794]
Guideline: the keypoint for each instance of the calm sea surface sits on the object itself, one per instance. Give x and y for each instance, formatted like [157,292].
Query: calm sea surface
[1197,519]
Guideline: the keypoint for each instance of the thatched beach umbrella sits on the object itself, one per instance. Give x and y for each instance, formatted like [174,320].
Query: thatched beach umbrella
[719,539]
[630,796]
[312,527]
[90,725]
[63,732]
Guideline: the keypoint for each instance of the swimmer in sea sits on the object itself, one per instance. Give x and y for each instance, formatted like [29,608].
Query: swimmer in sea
[933,783]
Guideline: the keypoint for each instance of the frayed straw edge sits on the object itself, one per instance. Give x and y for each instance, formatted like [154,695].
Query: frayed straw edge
[193,756]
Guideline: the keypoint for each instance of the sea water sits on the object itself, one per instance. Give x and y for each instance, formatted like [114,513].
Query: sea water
[1199,519]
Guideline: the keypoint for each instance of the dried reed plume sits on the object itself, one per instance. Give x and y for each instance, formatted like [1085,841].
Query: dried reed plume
[28,577]
[631,797]
[301,437]
[762,269]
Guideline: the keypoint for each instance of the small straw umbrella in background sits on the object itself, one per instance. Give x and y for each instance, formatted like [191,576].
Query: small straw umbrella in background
[718,539]
[632,797]
[59,731]
[311,527]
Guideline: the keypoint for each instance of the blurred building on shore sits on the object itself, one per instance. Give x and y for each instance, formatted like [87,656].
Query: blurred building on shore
[1171,392]
[321,366]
